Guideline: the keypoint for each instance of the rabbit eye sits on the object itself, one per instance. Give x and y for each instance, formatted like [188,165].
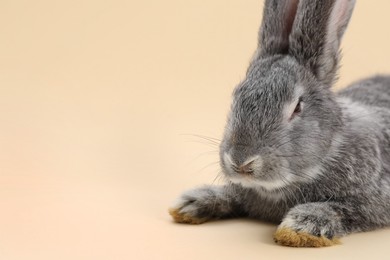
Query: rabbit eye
[298,109]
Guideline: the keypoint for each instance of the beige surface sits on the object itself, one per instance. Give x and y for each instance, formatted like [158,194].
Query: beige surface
[96,100]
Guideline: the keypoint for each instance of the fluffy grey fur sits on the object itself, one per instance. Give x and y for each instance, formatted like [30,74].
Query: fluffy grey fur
[323,169]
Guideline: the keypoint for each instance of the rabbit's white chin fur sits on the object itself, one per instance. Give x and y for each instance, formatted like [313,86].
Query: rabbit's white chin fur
[253,183]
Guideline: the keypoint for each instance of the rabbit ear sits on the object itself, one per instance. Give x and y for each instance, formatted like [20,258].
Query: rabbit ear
[316,35]
[278,18]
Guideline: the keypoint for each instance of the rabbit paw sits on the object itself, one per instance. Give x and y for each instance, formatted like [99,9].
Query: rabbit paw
[310,228]
[197,206]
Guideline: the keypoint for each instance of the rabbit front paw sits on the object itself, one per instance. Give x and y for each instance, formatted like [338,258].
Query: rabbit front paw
[198,205]
[308,226]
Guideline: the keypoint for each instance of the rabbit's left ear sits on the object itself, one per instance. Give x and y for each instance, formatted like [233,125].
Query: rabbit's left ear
[316,35]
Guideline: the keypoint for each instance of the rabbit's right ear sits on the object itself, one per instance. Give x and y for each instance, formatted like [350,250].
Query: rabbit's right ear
[316,35]
[278,19]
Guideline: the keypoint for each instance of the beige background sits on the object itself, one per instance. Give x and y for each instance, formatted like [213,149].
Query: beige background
[98,103]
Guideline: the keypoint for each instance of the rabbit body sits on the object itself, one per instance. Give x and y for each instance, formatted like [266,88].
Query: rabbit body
[295,153]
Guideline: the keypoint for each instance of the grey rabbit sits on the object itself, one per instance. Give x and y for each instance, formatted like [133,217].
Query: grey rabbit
[295,153]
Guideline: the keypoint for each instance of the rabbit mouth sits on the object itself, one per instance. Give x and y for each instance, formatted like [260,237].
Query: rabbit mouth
[256,172]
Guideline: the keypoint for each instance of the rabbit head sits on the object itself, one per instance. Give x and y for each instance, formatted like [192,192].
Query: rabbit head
[284,118]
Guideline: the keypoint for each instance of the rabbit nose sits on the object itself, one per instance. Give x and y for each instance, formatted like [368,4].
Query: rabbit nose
[246,168]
